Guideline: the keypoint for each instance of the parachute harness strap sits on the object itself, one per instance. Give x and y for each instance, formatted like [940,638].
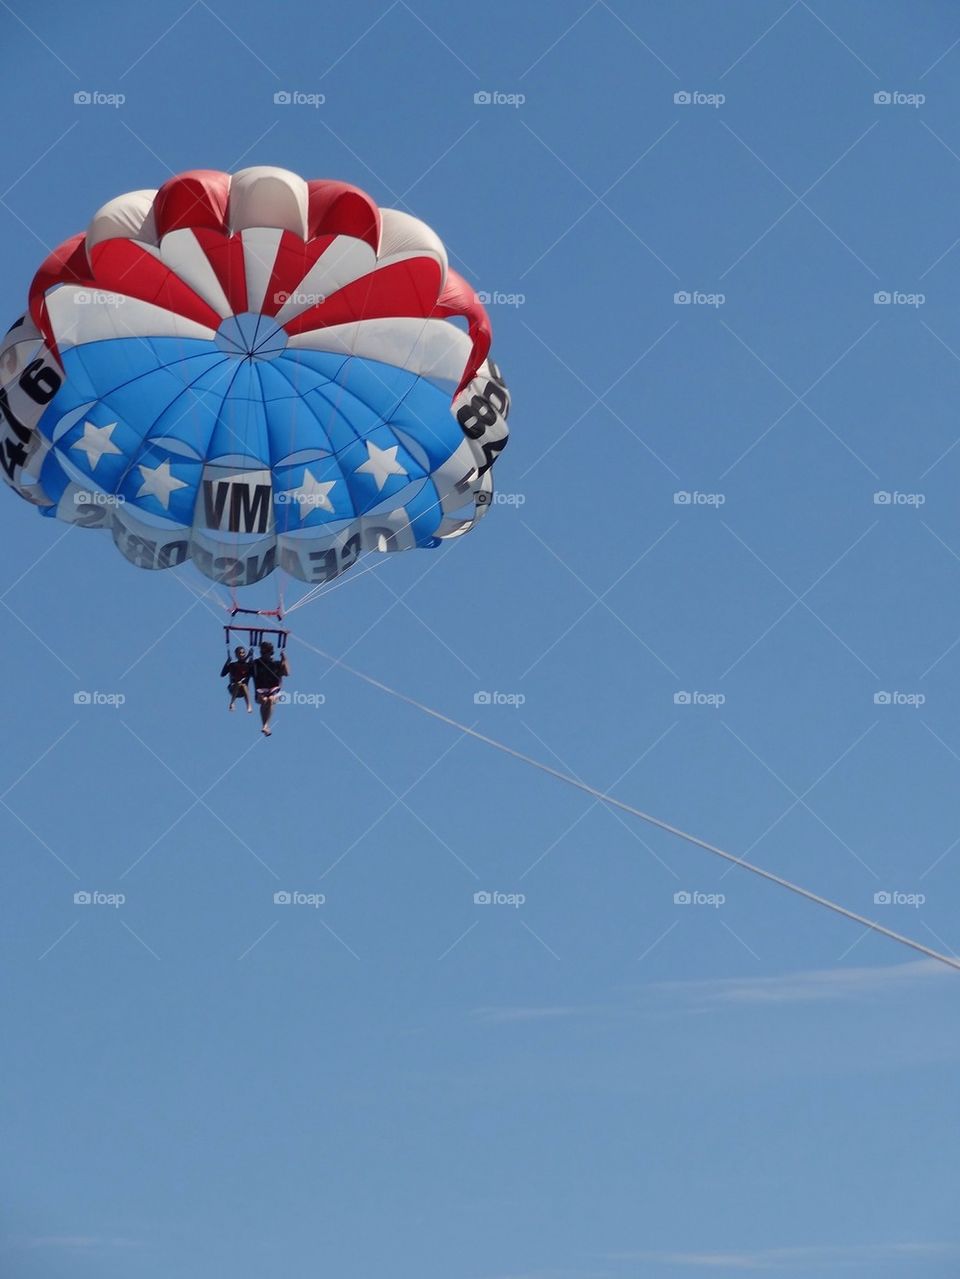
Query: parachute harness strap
[603,798]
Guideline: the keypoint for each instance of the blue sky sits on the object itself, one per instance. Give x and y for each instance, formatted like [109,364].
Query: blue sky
[598,1082]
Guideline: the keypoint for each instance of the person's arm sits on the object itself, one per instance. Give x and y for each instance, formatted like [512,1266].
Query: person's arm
[226,668]
[284,665]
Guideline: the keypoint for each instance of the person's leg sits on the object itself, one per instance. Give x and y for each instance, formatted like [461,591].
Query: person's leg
[266,710]
[245,694]
[233,695]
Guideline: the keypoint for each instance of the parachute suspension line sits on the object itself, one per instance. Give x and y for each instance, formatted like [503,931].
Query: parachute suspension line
[341,392]
[293,380]
[323,589]
[348,576]
[603,798]
[320,589]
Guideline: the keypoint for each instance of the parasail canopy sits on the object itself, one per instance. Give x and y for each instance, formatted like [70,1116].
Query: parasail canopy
[253,371]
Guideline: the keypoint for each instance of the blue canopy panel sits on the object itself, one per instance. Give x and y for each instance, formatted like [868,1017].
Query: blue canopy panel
[244,438]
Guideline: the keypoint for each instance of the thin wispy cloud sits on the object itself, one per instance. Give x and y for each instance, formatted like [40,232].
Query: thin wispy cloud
[553,1273]
[815,985]
[818,985]
[70,1243]
[498,1016]
[809,1258]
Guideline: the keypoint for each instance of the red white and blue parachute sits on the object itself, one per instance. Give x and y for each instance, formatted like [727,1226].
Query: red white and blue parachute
[253,372]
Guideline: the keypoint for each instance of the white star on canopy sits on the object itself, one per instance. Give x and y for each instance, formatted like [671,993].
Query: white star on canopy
[381,464]
[312,494]
[159,483]
[96,441]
